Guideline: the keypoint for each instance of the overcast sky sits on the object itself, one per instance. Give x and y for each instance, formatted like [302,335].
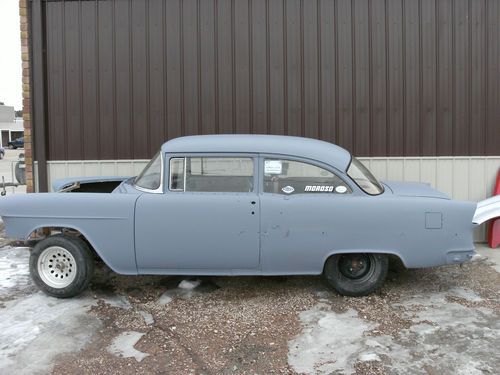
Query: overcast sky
[10,54]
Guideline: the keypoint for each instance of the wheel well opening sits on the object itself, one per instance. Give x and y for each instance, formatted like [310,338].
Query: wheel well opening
[45,232]
[395,262]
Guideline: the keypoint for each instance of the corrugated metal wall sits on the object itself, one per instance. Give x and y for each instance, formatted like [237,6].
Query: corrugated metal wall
[379,77]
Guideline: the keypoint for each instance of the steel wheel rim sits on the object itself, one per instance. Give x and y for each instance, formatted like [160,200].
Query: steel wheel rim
[356,267]
[56,267]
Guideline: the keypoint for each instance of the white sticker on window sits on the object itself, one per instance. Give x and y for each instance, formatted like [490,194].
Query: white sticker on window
[272,167]
[341,189]
[288,189]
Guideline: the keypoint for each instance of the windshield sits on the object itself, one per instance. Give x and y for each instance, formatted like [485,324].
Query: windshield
[150,177]
[363,178]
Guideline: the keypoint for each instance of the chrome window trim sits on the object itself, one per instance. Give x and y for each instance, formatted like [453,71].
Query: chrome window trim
[170,174]
[158,190]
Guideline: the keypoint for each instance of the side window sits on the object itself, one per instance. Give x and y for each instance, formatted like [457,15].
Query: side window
[211,174]
[294,177]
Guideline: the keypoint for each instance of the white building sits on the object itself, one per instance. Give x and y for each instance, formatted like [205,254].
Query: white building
[11,127]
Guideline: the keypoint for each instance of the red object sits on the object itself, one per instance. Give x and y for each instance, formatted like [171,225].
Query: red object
[494,227]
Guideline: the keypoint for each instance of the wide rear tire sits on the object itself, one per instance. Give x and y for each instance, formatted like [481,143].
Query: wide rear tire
[61,266]
[356,274]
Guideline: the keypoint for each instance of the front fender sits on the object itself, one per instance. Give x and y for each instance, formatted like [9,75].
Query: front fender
[106,221]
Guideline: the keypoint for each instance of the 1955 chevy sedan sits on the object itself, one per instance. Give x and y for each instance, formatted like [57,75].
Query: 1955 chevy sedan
[242,205]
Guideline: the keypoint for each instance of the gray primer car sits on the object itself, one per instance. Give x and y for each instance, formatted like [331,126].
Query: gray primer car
[242,205]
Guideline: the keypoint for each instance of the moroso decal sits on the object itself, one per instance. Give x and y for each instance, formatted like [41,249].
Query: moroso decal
[327,189]
[288,189]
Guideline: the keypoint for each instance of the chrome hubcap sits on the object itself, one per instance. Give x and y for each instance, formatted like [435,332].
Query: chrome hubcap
[56,267]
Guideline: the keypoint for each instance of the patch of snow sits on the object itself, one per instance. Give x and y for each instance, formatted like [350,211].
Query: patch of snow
[329,342]
[119,301]
[123,346]
[14,268]
[37,328]
[366,357]
[189,284]
[452,338]
[165,298]
[148,318]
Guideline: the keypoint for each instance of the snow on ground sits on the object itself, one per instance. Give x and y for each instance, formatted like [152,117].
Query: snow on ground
[34,329]
[118,300]
[14,270]
[148,318]
[333,341]
[189,284]
[123,346]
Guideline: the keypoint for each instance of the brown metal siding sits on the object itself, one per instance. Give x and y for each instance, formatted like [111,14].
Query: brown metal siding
[379,77]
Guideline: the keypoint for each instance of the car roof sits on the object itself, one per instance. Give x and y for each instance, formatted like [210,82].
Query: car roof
[324,152]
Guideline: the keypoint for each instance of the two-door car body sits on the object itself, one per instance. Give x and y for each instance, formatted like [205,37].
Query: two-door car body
[242,205]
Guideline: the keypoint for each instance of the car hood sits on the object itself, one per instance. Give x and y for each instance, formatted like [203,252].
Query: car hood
[65,182]
[414,189]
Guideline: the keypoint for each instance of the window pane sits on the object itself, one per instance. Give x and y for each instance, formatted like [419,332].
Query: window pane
[219,174]
[293,177]
[363,177]
[150,177]
[177,174]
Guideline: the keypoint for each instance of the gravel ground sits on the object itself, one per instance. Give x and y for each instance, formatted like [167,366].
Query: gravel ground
[433,321]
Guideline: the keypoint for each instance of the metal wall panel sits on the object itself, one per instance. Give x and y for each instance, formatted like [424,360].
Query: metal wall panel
[379,77]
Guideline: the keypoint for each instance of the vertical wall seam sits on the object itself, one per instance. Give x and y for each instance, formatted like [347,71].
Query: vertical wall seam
[268,70]
[285,67]
[181,41]
[131,77]
[216,65]
[370,77]
[453,75]
[164,71]
[302,79]
[250,65]
[403,69]
[81,120]
[319,65]
[336,50]
[148,82]
[233,66]
[469,78]
[98,93]
[198,68]
[113,58]
[387,80]
[486,83]
[436,79]
[65,89]
[353,78]
[421,68]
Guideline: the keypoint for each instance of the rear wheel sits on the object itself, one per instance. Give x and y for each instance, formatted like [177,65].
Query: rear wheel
[61,266]
[356,274]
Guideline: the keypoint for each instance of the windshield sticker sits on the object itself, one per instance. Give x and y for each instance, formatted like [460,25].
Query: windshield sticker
[327,189]
[272,167]
[288,189]
[340,189]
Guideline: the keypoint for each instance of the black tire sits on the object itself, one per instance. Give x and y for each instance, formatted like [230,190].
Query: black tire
[83,259]
[356,274]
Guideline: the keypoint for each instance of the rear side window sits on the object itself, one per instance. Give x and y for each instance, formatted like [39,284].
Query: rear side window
[212,174]
[294,177]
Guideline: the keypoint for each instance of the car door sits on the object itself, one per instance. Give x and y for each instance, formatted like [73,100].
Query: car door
[207,219]
[304,212]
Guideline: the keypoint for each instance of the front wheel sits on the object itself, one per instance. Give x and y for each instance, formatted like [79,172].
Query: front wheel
[357,274]
[61,266]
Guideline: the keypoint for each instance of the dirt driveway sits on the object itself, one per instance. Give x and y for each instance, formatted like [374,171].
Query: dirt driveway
[434,321]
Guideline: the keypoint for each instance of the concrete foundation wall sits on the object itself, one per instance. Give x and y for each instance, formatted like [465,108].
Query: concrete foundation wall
[464,178]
